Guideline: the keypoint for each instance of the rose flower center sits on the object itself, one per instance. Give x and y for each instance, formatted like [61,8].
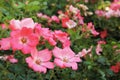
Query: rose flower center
[38,62]
[23,40]
[65,60]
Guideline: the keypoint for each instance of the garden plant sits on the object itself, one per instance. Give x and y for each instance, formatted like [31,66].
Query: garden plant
[59,39]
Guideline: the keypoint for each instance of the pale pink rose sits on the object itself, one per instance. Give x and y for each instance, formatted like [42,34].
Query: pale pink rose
[100,13]
[98,49]
[81,22]
[71,24]
[84,52]
[94,32]
[109,13]
[9,58]
[90,27]
[24,40]
[5,43]
[101,42]
[46,17]
[65,58]
[79,18]
[60,12]
[26,22]
[116,13]
[55,18]
[39,15]
[39,61]
[73,9]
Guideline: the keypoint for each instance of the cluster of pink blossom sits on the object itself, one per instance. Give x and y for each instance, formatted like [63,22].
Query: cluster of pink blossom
[89,28]
[111,11]
[26,36]
[49,19]
[71,18]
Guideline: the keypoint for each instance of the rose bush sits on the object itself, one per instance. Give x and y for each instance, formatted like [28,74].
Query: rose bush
[60,40]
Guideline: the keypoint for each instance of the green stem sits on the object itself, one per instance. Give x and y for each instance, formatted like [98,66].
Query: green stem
[40,76]
[52,74]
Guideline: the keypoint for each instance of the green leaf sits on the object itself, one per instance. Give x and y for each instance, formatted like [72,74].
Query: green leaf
[102,60]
